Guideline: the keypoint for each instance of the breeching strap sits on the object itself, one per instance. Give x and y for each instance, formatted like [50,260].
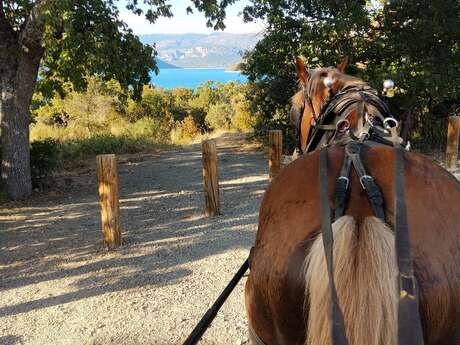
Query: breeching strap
[337,324]
[353,150]
[342,184]
[409,325]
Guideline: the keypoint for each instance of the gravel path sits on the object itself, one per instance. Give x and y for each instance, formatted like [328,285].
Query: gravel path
[59,286]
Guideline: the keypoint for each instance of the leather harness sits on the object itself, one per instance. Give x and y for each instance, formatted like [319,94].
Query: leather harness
[373,129]
[330,125]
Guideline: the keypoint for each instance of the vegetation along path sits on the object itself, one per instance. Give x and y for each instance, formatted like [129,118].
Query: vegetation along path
[59,286]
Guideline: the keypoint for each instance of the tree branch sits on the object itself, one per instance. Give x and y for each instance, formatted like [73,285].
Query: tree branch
[7,34]
[31,35]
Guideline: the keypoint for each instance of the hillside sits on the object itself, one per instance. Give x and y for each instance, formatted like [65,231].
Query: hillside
[162,64]
[201,50]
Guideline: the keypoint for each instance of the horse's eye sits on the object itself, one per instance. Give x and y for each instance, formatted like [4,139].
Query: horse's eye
[323,74]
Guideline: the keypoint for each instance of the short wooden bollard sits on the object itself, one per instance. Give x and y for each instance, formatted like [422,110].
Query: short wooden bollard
[211,179]
[108,199]
[275,150]
[453,131]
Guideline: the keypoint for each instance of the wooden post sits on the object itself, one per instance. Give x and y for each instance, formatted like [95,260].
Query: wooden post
[453,131]
[108,200]
[211,178]
[275,150]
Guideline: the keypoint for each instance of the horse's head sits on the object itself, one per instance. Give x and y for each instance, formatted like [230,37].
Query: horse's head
[330,100]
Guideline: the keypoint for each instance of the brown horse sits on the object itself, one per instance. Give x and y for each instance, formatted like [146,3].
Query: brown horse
[287,292]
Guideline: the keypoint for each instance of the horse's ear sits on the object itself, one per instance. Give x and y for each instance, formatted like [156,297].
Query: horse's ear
[301,70]
[343,64]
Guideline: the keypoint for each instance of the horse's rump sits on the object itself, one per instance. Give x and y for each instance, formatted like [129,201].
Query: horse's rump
[289,222]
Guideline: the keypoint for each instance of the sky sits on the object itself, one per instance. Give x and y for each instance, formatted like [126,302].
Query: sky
[192,23]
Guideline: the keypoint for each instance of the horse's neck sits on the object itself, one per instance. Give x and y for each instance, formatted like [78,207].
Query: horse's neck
[305,129]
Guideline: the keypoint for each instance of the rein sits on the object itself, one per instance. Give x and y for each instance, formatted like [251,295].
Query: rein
[209,316]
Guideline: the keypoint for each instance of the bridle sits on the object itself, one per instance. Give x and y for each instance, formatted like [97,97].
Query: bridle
[332,126]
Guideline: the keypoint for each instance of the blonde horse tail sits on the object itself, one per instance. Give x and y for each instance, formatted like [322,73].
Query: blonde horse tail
[365,272]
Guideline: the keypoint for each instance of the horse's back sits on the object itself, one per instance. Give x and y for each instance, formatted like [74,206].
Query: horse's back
[289,221]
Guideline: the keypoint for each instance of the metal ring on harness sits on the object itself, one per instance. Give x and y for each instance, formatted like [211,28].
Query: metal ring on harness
[339,127]
[407,286]
[390,119]
[361,179]
[347,180]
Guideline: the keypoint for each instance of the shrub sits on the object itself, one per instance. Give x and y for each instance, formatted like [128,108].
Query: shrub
[219,116]
[185,131]
[189,127]
[243,120]
[44,159]
[143,128]
[40,131]
[96,145]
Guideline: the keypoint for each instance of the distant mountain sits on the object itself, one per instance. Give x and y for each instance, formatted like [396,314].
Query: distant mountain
[163,64]
[214,50]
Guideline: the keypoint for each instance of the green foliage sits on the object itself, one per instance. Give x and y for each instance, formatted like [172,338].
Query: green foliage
[180,107]
[87,37]
[204,96]
[80,114]
[47,44]
[152,104]
[44,159]
[219,116]
[97,121]
[72,151]
[214,11]
[413,42]
[96,145]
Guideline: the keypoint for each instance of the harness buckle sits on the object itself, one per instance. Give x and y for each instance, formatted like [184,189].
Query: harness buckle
[362,178]
[346,179]
[407,286]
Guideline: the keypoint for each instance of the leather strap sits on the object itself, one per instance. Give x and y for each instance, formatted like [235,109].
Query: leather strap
[342,190]
[327,127]
[337,323]
[409,324]
[374,194]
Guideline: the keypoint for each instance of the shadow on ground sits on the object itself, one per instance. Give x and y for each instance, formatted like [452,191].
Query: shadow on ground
[58,236]
[9,340]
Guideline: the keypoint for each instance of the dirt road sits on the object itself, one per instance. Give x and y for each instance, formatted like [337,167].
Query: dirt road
[59,286]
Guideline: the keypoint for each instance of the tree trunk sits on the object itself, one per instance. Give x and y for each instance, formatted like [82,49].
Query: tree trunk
[20,55]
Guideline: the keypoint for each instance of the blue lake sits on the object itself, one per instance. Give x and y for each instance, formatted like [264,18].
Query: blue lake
[192,77]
